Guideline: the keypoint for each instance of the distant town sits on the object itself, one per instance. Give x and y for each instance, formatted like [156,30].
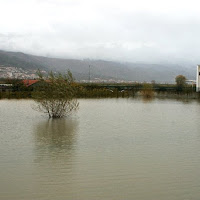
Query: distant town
[19,73]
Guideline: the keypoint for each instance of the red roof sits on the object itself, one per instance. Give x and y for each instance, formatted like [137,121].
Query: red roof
[28,83]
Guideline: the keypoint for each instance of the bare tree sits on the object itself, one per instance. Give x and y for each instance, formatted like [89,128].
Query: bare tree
[55,94]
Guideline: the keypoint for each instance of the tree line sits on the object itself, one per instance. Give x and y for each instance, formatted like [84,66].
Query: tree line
[56,94]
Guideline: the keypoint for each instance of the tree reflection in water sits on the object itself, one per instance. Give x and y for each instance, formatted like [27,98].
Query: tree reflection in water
[54,156]
[147,99]
[55,137]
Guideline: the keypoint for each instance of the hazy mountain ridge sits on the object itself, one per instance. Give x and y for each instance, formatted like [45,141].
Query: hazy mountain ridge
[98,68]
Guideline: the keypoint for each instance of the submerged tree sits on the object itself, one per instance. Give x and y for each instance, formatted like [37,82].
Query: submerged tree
[147,90]
[55,94]
[180,82]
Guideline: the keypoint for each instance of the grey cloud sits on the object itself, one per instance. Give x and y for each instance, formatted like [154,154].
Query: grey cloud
[111,34]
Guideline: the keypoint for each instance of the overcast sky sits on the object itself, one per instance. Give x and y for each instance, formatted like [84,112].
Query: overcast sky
[150,31]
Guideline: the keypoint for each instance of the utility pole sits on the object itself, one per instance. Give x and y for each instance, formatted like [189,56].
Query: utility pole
[89,73]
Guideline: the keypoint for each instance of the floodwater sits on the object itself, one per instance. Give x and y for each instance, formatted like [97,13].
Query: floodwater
[110,149]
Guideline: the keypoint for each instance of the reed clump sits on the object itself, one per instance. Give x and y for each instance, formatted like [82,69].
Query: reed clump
[147,91]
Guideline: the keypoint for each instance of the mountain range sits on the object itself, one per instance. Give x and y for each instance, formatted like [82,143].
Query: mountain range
[102,69]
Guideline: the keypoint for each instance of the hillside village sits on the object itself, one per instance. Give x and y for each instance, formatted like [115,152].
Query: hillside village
[17,73]
[97,70]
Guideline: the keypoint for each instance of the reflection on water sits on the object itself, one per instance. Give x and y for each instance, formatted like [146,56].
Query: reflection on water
[147,99]
[55,142]
[56,133]
[115,149]
[56,136]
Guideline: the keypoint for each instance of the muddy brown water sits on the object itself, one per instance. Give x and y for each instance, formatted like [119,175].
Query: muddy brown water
[110,149]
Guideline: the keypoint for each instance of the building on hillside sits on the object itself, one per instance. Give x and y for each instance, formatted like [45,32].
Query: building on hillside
[30,83]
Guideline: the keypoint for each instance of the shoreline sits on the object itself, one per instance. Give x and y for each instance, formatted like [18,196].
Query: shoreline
[125,94]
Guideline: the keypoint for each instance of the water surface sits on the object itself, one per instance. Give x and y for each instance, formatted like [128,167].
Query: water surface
[110,149]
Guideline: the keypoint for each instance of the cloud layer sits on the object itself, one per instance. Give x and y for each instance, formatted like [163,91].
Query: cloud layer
[128,30]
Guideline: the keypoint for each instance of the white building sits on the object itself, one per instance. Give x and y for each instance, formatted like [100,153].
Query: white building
[198,79]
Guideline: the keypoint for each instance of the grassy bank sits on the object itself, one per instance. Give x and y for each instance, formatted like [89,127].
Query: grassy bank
[125,90]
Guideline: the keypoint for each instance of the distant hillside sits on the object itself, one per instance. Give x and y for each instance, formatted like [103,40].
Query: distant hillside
[99,68]
[17,59]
